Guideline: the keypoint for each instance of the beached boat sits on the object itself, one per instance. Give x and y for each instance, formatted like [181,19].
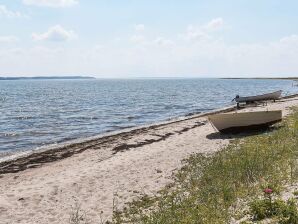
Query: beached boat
[247,121]
[268,96]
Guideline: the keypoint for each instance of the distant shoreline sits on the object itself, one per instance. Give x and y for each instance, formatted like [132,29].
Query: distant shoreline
[273,78]
[90,77]
[45,78]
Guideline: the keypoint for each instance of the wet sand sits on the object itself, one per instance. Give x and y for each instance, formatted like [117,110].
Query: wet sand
[42,187]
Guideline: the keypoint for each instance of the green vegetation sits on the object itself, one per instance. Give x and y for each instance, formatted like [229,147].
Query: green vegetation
[215,189]
[281,211]
[275,209]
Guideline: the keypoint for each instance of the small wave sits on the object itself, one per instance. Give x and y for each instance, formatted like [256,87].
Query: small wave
[192,113]
[167,107]
[40,133]
[204,109]
[133,117]
[22,117]
[83,118]
[9,134]
[2,99]
[118,127]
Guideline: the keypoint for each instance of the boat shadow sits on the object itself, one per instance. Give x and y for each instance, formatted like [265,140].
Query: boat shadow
[218,135]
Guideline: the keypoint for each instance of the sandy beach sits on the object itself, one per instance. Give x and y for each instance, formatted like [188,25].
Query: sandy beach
[98,174]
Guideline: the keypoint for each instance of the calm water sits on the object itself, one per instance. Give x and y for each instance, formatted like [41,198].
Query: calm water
[35,113]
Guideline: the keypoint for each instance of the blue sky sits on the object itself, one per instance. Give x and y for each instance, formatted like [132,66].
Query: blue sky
[138,38]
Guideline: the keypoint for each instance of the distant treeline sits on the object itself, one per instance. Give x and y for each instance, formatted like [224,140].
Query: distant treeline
[46,77]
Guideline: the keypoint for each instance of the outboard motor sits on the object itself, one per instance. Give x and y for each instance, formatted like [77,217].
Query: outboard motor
[237,96]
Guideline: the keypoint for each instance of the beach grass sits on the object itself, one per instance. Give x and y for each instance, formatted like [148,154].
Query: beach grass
[215,188]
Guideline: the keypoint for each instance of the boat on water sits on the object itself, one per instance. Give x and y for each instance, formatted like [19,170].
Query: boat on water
[268,96]
[246,121]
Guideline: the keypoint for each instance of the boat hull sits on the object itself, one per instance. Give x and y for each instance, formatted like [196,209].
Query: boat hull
[269,96]
[244,122]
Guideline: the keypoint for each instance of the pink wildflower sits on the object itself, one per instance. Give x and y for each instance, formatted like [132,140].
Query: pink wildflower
[268,191]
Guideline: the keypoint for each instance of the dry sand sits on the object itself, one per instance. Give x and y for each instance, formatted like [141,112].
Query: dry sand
[43,188]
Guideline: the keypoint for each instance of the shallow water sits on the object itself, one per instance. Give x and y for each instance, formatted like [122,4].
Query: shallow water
[35,113]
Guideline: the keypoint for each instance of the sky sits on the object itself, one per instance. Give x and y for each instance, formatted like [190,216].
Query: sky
[149,38]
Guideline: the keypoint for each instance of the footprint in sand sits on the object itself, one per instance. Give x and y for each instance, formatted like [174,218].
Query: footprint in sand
[10,195]
[55,190]
[2,209]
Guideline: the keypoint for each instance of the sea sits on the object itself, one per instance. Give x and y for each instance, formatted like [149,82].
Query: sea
[36,113]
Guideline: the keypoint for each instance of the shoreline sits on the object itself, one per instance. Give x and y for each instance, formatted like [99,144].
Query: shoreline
[108,172]
[86,140]
[65,149]
[57,148]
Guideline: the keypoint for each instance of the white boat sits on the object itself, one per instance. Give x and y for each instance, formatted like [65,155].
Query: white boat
[268,96]
[246,121]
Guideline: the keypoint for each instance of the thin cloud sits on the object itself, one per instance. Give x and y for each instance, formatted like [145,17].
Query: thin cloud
[56,33]
[161,41]
[215,24]
[139,39]
[5,12]
[289,39]
[195,34]
[139,27]
[8,39]
[51,3]
[203,32]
